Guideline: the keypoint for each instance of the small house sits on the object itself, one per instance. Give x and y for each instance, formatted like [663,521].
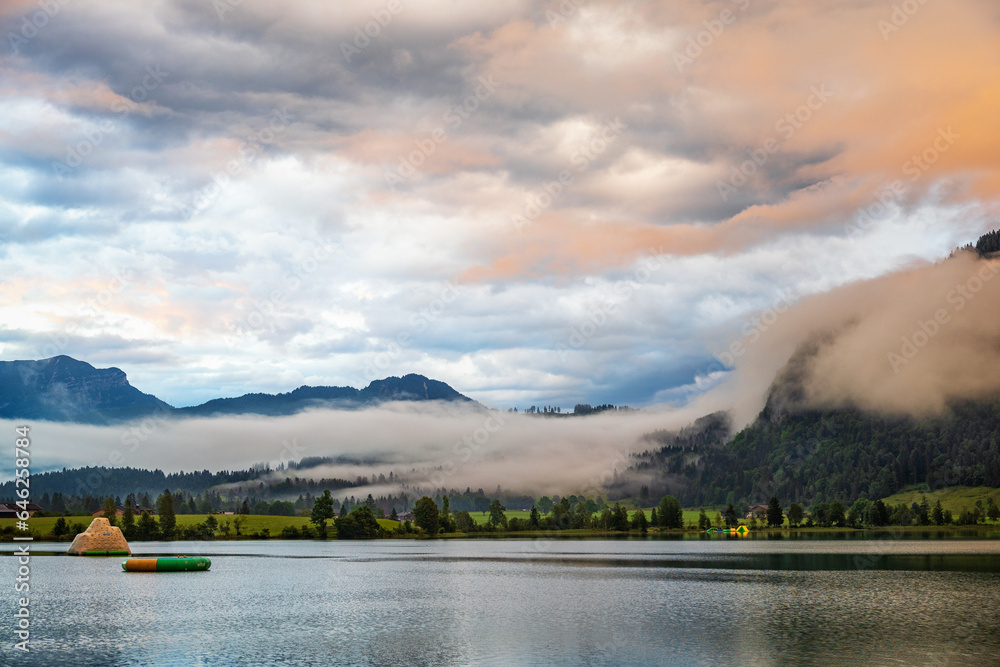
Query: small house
[11,510]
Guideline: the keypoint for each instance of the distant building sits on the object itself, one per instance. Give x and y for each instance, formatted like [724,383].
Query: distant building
[10,510]
[757,511]
[404,516]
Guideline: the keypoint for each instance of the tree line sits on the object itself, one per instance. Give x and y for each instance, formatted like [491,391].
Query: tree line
[820,456]
[101,481]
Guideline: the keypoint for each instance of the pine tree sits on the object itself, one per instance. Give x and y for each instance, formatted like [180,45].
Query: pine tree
[731,521]
[168,522]
[619,518]
[836,513]
[447,522]
[58,504]
[670,515]
[61,527]
[924,518]
[147,528]
[322,512]
[111,511]
[988,243]
[775,516]
[128,520]
[639,522]
[426,515]
[180,507]
[497,516]
[795,514]
[937,514]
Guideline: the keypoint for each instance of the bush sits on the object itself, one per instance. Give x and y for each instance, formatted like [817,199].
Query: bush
[192,532]
[464,522]
[281,508]
[61,528]
[358,525]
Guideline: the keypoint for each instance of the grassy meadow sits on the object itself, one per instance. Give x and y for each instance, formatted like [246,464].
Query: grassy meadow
[251,523]
[690,516]
[954,498]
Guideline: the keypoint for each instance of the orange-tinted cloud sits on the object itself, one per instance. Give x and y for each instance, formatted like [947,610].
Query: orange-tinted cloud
[433,151]
[908,98]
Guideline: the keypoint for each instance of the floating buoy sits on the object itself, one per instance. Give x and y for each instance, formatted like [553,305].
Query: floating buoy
[178,564]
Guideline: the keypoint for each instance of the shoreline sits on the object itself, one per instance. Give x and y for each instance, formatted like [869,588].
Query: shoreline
[989,531]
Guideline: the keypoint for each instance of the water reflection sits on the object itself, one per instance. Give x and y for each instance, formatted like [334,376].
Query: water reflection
[524,602]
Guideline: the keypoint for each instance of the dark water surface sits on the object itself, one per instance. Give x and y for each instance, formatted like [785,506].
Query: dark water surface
[518,602]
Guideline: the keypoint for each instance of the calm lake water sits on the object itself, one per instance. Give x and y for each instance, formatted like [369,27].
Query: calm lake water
[716,601]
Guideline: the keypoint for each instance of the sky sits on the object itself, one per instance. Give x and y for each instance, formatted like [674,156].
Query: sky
[539,203]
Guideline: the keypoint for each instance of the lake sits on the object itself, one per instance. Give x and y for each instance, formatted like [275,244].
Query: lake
[713,601]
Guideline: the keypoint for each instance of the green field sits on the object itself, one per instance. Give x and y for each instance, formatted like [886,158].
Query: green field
[954,498]
[254,523]
[251,523]
[482,517]
[690,516]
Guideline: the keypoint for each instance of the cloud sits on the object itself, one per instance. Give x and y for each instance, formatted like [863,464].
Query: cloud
[258,140]
[911,342]
[427,447]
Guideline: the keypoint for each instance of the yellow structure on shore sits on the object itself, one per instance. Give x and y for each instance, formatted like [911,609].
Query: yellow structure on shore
[100,539]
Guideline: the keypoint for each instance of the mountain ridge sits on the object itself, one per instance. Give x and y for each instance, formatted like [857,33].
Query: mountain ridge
[62,388]
[65,389]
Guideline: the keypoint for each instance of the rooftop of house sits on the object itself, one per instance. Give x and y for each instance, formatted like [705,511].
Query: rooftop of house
[31,507]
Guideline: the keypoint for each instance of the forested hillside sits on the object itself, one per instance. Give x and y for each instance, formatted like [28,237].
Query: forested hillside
[811,457]
[101,481]
[800,454]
